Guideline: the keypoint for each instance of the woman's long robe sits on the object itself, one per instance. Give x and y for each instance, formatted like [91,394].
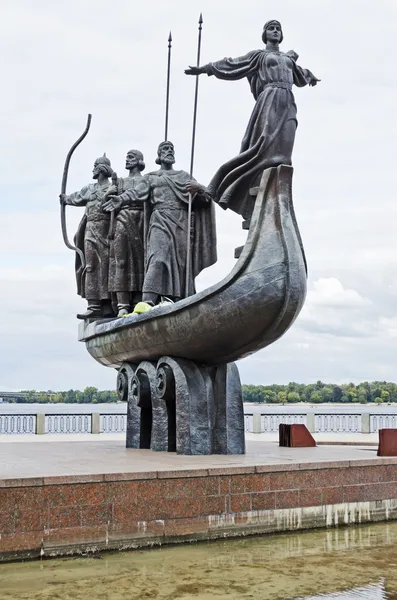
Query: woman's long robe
[269,138]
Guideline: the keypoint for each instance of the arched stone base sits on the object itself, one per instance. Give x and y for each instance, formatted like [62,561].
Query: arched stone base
[178,405]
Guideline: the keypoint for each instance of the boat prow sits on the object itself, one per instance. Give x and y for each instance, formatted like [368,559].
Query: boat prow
[248,310]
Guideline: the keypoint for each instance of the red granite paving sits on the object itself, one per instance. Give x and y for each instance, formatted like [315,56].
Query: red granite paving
[85,495]
[112,459]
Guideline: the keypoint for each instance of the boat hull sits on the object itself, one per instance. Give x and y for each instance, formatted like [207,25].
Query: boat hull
[248,310]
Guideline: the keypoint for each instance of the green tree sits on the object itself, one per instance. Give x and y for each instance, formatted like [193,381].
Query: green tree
[362,395]
[282,397]
[316,397]
[293,397]
[326,393]
[337,393]
[269,396]
[89,394]
[70,397]
[385,396]
[253,393]
[351,393]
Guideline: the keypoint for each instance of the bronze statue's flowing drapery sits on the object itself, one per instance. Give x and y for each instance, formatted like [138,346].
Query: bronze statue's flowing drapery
[92,238]
[166,225]
[126,270]
[269,138]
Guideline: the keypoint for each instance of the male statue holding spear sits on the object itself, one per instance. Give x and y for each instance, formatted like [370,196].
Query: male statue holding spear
[180,238]
[166,214]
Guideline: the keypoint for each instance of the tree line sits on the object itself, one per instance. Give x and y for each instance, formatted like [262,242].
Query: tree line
[90,395]
[374,391]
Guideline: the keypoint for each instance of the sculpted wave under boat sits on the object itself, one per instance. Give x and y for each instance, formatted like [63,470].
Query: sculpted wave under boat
[249,309]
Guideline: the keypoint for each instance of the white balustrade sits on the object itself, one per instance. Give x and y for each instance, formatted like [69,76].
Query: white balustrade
[337,423]
[11,424]
[249,423]
[270,422]
[382,421]
[68,423]
[113,423]
[17,424]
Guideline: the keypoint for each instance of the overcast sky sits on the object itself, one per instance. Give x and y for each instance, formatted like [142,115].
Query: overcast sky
[63,59]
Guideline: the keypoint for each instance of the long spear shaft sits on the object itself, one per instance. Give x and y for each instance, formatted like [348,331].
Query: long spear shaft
[167,101]
[112,215]
[196,96]
[189,214]
[63,191]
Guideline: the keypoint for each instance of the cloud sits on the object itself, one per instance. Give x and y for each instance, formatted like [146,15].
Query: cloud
[334,310]
[330,293]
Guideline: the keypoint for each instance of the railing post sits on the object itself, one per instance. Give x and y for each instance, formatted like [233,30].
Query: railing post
[311,422]
[95,423]
[257,423]
[40,423]
[365,423]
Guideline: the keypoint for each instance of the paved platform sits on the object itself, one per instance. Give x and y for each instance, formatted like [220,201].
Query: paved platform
[360,439]
[67,458]
[69,497]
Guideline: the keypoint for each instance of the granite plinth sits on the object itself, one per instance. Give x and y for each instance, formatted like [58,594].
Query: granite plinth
[87,497]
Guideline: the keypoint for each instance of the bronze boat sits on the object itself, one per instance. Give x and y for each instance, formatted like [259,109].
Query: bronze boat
[249,309]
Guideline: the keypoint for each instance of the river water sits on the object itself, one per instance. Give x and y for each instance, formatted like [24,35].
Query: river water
[357,563]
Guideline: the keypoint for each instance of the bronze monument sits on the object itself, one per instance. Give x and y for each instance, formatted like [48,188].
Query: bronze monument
[175,353]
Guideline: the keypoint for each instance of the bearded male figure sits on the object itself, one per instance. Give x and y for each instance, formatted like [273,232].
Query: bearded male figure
[92,238]
[166,223]
[126,268]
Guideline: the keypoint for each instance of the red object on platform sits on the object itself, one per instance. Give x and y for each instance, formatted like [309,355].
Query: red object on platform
[387,442]
[295,436]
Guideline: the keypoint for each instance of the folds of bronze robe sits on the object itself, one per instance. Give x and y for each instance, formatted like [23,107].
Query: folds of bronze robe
[126,268]
[166,228]
[92,238]
[270,134]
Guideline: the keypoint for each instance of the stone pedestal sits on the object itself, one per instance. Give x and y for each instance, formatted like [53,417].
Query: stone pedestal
[296,435]
[176,405]
[387,442]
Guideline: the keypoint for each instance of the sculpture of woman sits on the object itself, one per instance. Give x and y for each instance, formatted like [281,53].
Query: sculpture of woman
[270,134]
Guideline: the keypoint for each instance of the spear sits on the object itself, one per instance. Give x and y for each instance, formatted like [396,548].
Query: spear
[63,192]
[189,214]
[167,102]
[112,215]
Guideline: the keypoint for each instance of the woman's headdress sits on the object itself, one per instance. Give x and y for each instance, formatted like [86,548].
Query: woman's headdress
[266,25]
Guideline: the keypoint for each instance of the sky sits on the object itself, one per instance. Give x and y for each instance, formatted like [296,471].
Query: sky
[62,60]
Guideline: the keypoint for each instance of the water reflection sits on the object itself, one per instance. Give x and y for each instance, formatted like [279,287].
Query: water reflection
[368,592]
[352,563]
